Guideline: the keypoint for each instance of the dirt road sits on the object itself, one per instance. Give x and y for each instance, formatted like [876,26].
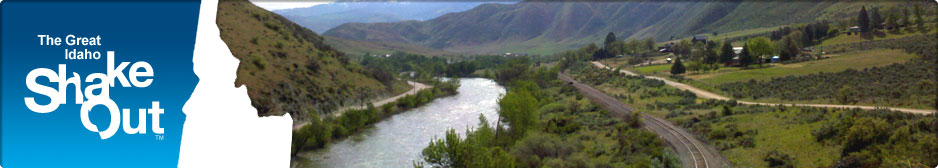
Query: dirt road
[710,95]
[417,87]
[693,152]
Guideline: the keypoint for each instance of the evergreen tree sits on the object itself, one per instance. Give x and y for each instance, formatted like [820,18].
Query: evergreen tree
[611,37]
[876,21]
[863,20]
[710,57]
[678,67]
[789,49]
[892,21]
[905,17]
[726,54]
[745,58]
[919,21]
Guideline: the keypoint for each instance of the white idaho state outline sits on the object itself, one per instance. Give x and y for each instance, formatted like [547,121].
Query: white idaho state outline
[222,128]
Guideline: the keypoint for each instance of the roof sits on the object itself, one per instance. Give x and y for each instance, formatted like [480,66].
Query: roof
[700,37]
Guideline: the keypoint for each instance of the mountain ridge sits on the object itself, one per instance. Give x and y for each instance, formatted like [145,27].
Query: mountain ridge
[525,26]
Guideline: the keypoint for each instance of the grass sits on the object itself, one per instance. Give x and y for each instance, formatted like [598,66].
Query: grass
[778,131]
[653,69]
[835,63]
[400,87]
[784,131]
[844,38]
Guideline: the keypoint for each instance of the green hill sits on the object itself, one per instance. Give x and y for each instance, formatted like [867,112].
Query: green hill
[288,68]
[548,27]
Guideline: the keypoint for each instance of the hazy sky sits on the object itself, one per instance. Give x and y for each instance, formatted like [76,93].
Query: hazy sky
[275,5]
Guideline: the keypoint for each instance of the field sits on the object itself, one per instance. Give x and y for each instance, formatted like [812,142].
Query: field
[844,38]
[750,136]
[778,131]
[836,62]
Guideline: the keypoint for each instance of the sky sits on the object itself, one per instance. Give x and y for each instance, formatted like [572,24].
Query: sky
[275,5]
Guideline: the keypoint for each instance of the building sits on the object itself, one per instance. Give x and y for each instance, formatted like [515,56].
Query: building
[853,30]
[700,38]
[737,50]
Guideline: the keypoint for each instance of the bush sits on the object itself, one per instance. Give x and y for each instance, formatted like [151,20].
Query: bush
[778,159]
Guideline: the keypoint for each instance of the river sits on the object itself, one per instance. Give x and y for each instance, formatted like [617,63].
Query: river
[399,140]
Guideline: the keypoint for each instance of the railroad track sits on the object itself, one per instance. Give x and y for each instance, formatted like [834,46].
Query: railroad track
[695,150]
[694,153]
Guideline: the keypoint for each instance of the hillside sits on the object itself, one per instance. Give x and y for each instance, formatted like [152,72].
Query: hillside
[288,68]
[549,27]
[323,17]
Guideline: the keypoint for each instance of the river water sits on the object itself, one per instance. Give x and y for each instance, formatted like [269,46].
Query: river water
[399,140]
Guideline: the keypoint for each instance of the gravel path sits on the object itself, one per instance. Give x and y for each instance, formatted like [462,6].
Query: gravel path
[710,95]
[417,87]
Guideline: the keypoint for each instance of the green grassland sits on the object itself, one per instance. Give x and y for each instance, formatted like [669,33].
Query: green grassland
[835,63]
[358,48]
[745,134]
[844,38]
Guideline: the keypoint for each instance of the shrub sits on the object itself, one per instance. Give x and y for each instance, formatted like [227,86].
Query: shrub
[778,159]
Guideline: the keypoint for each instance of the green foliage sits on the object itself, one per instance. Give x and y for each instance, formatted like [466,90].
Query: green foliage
[863,20]
[518,108]
[611,37]
[259,62]
[760,47]
[726,53]
[778,159]
[531,150]
[314,135]
[319,132]
[876,20]
[897,84]
[678,67]
[472,151]
[745,57]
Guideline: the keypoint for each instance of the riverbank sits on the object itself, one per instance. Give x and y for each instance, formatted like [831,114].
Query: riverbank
[397,141]
[319,132]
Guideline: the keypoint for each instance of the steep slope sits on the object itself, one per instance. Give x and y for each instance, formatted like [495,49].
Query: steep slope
[288,68]
[322,17]
[548,27]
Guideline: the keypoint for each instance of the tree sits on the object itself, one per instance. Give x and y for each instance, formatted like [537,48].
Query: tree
[760,46]
[649,44]
[710,57]
[919,21]
[892,21]
[905,17]
[611,37]
[863,20]
[846,95]
[745,58]
[694,66]
[678,67]
[682,48]
[726,54]
[875,19]
[519,109]
[788,49]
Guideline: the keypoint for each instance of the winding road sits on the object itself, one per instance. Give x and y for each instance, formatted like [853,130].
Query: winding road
[693,152]
[378,103]
[710,95]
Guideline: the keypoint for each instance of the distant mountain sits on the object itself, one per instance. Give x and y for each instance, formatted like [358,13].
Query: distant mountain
[322,17]
[548,27]
[288,68]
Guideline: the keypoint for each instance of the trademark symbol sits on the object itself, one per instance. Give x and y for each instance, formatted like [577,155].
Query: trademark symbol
[159,137]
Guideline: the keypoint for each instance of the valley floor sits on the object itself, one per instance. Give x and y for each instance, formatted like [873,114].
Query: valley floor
[711,95]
